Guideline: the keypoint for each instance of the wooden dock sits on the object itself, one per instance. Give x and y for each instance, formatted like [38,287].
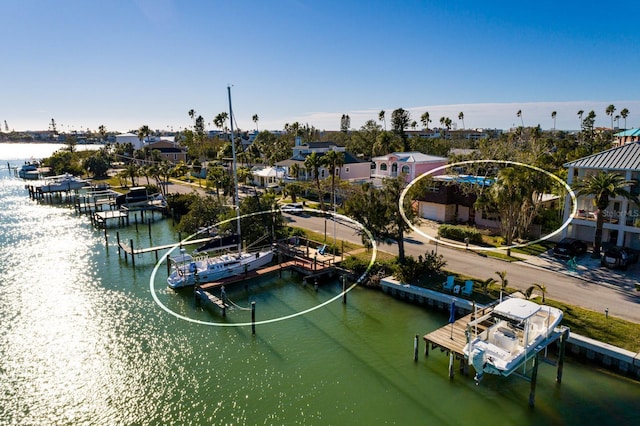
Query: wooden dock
[452,337]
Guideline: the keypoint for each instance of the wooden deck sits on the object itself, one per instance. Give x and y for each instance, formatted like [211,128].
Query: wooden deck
[452,337]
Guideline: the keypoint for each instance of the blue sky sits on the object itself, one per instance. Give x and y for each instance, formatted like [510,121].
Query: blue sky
[128,63]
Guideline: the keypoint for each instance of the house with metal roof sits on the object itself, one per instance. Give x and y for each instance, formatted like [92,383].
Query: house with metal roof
[622,217]
[631,135]
[353,169]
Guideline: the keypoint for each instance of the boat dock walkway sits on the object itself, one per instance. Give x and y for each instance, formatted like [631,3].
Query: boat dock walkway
[452,337]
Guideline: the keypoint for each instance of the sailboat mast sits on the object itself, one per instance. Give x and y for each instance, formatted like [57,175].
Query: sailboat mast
[235,172]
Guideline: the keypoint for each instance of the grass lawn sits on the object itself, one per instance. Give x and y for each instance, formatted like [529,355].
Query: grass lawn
[596,325]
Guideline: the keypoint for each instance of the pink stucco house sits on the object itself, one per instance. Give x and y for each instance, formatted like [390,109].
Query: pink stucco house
[411,164]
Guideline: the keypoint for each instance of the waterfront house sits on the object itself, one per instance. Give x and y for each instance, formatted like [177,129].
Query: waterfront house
[622,217]
[411,164]
[353,169]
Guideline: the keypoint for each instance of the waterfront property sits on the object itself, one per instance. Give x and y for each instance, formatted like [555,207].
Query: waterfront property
[622,218]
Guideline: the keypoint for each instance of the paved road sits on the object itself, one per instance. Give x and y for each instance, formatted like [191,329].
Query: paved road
[590,286]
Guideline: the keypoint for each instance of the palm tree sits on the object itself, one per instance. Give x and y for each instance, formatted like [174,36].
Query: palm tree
[484,285]
[624,114]
[461,118]
[609,111]
[504,282]
[143,132]
[424,118]
[294,170]
[519,115]
[333,160]
[381,118]
[553,116]
[255,119]
[220,120]
[312,164]
[541,287]
[603,186]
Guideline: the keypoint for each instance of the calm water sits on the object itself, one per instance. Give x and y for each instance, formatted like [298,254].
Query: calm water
[84,342]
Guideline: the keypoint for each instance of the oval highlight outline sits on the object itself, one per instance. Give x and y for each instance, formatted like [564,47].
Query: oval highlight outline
[574,205]
[271,320]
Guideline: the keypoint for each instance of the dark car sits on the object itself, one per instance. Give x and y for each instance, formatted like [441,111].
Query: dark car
[569,247]
[618,257]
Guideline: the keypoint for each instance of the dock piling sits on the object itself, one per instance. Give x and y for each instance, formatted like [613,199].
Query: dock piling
[415,348]
[563,341]
[534,378]
[133,257]
[344,289]
[253,318]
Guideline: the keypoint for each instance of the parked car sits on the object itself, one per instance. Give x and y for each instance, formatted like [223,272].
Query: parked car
[293,208]
[569,247]
[618,257]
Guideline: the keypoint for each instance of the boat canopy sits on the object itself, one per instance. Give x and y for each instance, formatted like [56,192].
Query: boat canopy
[516,309]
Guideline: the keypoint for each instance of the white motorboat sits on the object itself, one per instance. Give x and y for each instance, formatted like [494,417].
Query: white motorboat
[29,171]
[518,330]
[186,271]
[65,182]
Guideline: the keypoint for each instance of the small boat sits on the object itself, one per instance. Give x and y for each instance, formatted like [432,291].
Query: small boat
[518,330]
[186,269]
[29,171]
[139,197]
[60,183]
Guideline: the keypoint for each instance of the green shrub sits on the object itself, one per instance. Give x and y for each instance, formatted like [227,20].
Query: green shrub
[459,233]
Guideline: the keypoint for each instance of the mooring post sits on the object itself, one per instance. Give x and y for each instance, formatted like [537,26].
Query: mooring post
[253,318]
[173,216]
[150,232]
[133,257]
[168,265]
[106,239]
[451,369]
[426,348]
[415,348]
[563,342]
[135,220]
[118,241]
[180,239]
[534,378]
[344,289]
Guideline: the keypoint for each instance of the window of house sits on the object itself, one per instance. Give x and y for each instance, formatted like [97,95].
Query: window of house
[346,170]
[406,169]
[383,167]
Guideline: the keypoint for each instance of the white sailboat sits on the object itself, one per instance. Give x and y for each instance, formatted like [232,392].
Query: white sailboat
[518,330]
[187,270]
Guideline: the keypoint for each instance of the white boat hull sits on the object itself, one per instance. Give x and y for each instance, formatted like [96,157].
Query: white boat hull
[213,269]
[515,337]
